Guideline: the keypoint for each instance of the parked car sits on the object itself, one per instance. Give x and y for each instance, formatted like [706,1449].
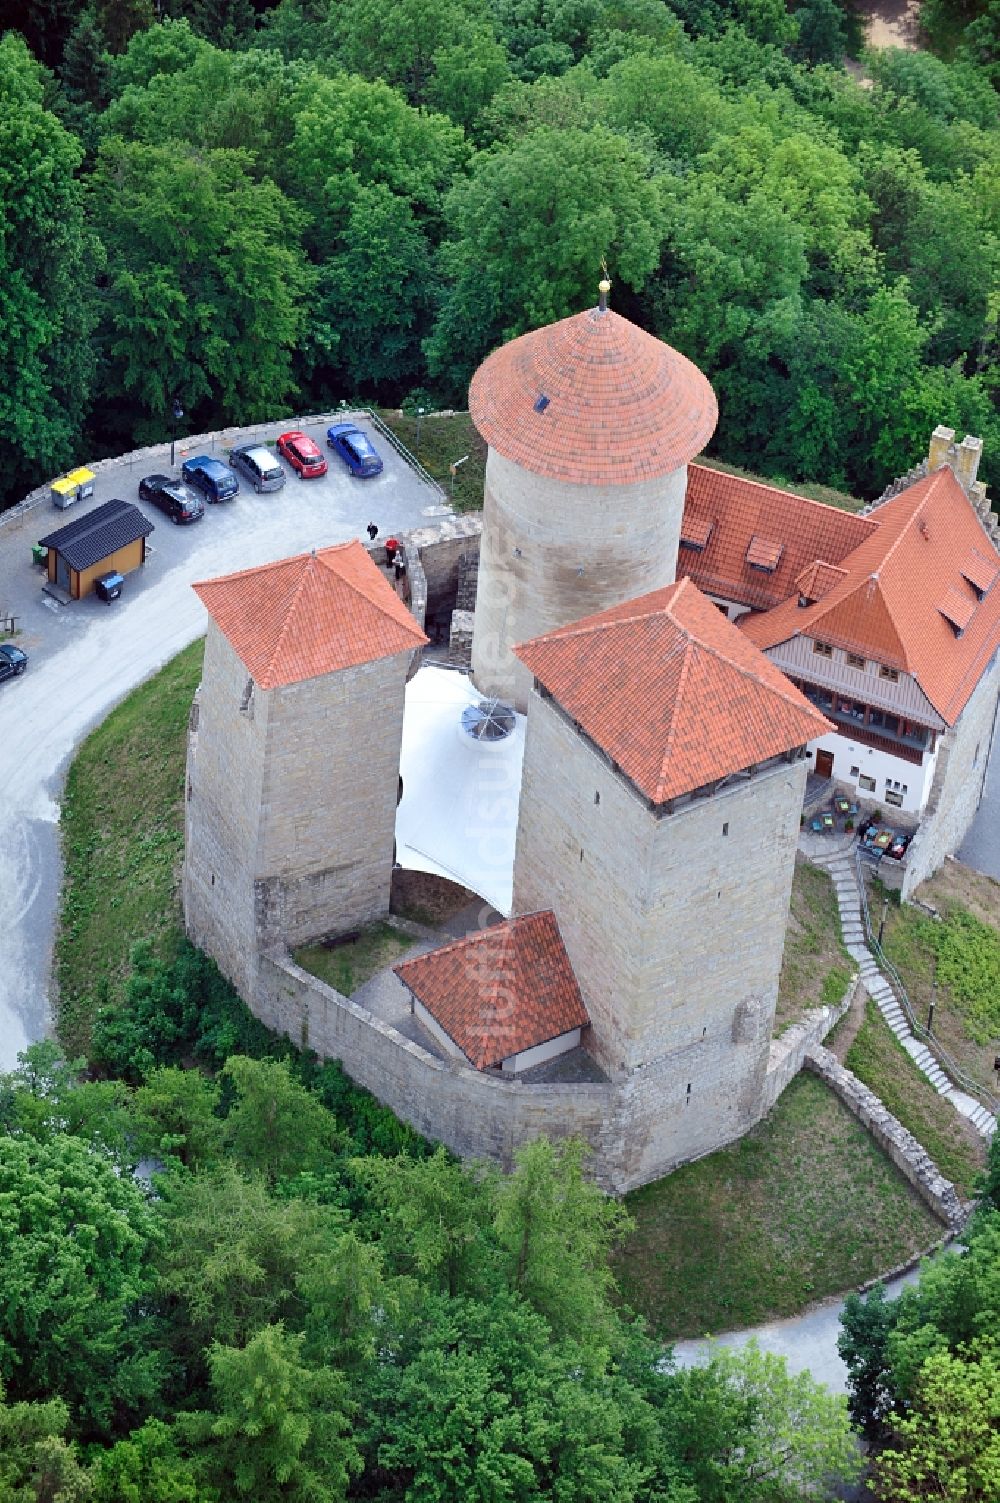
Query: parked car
[259,465]
[214,479]
[355,449]
[305,457]
[172,496]
[12,661]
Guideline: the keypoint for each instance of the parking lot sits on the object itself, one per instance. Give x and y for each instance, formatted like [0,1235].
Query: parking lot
[87,655]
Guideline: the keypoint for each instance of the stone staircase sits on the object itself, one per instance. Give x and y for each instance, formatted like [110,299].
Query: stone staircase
[840,864]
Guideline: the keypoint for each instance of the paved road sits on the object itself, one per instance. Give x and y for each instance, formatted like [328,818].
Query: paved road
[981,847]
[87,656]
[808,1342]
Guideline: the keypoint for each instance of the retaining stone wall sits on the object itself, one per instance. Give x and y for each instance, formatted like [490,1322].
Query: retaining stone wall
[788,1051]
[892,1137]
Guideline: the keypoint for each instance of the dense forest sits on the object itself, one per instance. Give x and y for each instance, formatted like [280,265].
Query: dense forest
[253,210]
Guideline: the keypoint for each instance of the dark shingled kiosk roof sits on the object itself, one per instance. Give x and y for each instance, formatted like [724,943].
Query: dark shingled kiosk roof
[100,533]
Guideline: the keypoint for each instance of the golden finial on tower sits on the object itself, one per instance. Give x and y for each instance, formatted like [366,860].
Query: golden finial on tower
[604,287]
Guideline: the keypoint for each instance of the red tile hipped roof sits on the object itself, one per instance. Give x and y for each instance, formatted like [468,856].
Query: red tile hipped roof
[734,511]
[500,992]
[902,588]
[310,615]
[669,690]
[620,405]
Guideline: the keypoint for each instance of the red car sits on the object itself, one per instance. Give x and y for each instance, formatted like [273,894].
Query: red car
[305,458]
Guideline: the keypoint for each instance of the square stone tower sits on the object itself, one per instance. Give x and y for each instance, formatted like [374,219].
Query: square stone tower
[663,779]
[293,756]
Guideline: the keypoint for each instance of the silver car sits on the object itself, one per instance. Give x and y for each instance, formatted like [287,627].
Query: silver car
[259,465]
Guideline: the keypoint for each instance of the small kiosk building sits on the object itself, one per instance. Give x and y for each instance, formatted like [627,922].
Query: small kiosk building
[112,537]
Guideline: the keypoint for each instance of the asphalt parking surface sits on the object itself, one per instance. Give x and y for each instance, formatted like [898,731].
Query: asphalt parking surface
[86,656]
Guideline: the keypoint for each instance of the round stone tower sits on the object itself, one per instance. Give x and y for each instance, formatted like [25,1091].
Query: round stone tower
[590,424]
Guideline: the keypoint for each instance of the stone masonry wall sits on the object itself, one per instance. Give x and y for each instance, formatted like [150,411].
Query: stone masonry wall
[554,552]
[224,792]
[958,783]
[787,1053]
[913,1162]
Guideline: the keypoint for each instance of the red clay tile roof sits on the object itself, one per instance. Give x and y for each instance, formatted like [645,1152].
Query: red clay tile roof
[313,614]
[888,605]
[738,510]
[818,579]
[957,609]
[764,553]
[696,531]
[502,991]
[980,571]
[665,686]
[622,406]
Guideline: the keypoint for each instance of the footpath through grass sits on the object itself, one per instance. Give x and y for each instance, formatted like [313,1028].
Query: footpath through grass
[815,967]
[123,841]
[804,1206]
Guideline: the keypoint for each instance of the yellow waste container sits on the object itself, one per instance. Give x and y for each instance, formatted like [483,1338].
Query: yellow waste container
[78,485]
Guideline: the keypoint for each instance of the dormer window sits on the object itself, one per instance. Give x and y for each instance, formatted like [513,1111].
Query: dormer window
[764,554]
[957,610]
[980,572]
[695,532]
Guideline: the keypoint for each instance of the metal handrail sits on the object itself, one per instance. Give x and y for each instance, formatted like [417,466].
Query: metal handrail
[404,452]
[951,1068]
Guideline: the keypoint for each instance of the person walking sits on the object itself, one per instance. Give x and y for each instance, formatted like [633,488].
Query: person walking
[372,531]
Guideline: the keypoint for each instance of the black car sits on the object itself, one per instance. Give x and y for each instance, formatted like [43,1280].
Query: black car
[172,496]
[12,661]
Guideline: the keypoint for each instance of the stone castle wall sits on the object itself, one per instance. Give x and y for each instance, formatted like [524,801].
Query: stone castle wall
[959,778]
[553,552]
[677,945]
[480,1115]
[291,806]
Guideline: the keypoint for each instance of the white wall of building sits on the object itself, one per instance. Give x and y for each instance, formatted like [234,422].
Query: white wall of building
[541,1052]
[885,770]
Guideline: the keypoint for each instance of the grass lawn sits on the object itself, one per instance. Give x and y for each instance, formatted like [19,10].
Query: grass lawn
[966,1015]
[123,839]
[804,1206]
[877,1058]
[349,964]
[815,968]
[442,441]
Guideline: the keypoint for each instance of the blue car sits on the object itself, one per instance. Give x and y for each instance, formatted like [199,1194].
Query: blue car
[355,449]
[214,479]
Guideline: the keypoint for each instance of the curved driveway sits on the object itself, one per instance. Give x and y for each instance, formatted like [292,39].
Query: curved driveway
[87,656]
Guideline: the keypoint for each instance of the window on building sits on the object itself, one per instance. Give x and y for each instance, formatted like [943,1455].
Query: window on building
[855,771]
[975,759]
[893,798]
[725,828]
[866,783]
[853,661]
[905,789]
[892,674]
[823,649]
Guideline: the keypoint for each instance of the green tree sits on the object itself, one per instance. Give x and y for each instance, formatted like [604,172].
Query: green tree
[205,294]
[822,32]
[175,1114]
[279,1430]
[48,259]
[75,1243]
[749,1431]
[555,1229]
[435,1216]
[231,1256]
[948,1445]
[400,41]
[276,1126]
[147,1467]
[37,1464]
[531,225]
[864,1347]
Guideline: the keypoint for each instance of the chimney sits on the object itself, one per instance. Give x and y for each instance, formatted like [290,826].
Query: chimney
[967,457]
[942,443]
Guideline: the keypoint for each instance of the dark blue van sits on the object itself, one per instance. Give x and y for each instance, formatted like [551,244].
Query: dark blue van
[214,479]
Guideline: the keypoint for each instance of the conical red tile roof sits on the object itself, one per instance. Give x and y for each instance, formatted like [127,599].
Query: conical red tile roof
[310,615]
[622,406]
[500,992]
[665,685]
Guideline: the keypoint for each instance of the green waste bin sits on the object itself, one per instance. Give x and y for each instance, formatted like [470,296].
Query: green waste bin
[39,555]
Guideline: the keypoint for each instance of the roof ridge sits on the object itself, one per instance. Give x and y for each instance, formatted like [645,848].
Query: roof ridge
[782,490]
[290,611]
[686,650]
[589,625]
